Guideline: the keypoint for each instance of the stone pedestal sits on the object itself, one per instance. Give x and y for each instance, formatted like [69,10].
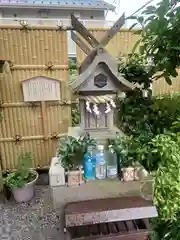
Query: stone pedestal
[93,190]
[100,136]
[96,189]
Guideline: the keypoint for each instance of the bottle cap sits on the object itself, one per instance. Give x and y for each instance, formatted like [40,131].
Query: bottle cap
[89,148]
[100,147]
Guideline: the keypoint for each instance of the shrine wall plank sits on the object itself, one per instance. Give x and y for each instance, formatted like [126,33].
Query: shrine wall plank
[35,51]
[120,46]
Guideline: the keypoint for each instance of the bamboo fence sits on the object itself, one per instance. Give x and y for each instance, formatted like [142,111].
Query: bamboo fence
[24,125]
[35,127]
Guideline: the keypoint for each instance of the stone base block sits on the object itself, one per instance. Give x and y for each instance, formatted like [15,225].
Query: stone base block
[93,190]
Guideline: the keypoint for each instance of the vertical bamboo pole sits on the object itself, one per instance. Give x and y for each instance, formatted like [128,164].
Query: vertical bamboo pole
[1,179]
[43,111]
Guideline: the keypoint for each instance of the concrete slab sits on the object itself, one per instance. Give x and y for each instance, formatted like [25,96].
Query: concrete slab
[93,190]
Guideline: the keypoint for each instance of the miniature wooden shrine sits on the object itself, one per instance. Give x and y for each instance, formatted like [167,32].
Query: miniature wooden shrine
[99,82]
[125,218]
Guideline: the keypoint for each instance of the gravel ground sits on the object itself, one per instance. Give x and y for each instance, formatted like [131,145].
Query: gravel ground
[35,220]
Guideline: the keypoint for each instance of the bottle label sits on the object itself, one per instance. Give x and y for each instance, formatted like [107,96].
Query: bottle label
[100,159]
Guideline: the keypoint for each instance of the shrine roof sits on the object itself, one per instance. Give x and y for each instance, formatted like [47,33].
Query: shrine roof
[85,4]
[106,59]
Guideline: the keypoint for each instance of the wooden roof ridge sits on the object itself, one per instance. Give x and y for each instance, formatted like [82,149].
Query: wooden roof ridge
[41,76]
[83,77]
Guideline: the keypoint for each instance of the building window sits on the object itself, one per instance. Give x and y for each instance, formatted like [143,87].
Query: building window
[44,13]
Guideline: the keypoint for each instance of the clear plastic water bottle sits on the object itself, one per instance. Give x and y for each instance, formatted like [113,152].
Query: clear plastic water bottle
[111,164]
[100,163]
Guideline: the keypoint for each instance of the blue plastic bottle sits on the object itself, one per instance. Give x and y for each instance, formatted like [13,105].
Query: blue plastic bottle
[89,172]
[93,155]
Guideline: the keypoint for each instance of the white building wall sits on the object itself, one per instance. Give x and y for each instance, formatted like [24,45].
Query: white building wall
[53,16]
[51,13]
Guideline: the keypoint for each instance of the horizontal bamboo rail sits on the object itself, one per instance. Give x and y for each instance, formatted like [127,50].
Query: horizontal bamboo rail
[22,104]
[31,67]
[29,138]
[56,27]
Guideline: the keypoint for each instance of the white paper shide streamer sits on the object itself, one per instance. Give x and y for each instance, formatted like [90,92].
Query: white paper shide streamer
[96,109]
[88,108]
[110,104]
[108,108]
[113,104]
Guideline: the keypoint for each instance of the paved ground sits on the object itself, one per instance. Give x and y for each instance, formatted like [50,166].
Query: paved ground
[31,221]
[37,220]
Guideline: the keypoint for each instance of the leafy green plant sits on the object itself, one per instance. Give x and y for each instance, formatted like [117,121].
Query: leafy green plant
[135,69]
[21,176]
[71,150]
[86,141]
[176,125]
[160,37]
[167,176]
[166,230]
[75,113]
[148,117]
[150,153]
[125,149]
[167,188]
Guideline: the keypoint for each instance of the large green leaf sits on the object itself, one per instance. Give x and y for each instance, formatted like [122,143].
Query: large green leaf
[136,45]
[149,10]
[132,26]
[168,79]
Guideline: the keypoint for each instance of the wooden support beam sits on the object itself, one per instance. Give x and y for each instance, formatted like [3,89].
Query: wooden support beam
[87,61]
[83,31]
[113,30]
[83,46]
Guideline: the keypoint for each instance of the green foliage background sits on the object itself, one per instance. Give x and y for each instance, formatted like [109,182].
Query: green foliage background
[75,114]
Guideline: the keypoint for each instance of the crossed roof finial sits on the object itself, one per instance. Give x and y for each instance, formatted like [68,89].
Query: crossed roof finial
[93,44]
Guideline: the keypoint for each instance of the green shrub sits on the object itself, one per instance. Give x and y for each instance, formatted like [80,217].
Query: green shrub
[22,175]
[75,114]
[71,150]
[167,176]
[125,148]
[135,69]
[153,116]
